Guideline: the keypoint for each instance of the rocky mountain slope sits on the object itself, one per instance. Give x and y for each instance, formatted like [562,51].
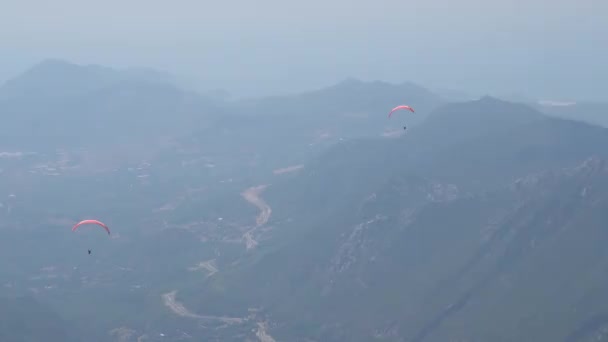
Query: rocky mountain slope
[488,235]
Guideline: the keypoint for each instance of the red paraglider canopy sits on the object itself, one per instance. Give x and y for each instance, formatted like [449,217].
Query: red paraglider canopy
[400,107]
[99,223]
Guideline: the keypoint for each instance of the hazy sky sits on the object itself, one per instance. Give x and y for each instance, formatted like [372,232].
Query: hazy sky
[555,48]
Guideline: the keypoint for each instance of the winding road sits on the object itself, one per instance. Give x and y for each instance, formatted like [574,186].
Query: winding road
[252,195]
[179,309]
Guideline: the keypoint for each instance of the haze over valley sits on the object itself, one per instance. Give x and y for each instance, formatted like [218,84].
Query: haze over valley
[273,199]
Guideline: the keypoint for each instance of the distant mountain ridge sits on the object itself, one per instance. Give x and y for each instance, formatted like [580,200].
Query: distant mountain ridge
[55,97]
[47,105]
[55,78]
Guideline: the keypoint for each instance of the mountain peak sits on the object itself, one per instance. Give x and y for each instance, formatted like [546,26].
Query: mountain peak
[352,83]
[488,106]
[56,77]
[470,119]
[490,99]
[54,67]
[52,62]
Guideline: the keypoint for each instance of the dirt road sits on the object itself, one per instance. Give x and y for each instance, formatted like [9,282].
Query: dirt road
[262,333]
[179,309]
[288,169]
[252,195]
[208,265]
